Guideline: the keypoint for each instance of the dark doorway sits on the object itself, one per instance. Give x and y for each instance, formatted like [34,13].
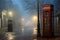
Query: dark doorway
[10,25]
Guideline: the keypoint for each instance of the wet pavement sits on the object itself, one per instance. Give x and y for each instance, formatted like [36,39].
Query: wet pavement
[24,34]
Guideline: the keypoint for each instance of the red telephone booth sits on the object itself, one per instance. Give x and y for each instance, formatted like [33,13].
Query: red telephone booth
[47,19]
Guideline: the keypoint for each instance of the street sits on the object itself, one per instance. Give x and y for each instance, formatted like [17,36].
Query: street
[24,34]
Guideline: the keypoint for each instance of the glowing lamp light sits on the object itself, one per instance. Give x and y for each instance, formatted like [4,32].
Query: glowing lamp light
[34,18]
[10,14]
[22,19]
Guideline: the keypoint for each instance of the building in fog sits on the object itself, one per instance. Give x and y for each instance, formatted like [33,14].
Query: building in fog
[57,17]
[5,7]
[2,15]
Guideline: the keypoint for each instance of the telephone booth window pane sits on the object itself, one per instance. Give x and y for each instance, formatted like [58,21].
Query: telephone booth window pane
[46,13]
[46,21]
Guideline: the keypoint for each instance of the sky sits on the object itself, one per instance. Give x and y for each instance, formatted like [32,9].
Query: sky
[29,7]
[25,7]
[48,1]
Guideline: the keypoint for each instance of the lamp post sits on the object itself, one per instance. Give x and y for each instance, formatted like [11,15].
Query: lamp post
[10,21]
[38,23]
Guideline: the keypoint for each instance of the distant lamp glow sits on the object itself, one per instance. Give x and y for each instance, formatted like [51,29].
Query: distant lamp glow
[10,14]
[22,19]
[34,18]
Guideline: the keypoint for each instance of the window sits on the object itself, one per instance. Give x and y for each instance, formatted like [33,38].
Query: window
[46,13]
[46,20]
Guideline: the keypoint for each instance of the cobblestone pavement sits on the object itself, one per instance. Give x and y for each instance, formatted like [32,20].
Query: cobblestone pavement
[24,34]
[53,38]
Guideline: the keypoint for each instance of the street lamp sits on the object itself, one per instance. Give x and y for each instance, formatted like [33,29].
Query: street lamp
[34,18]
[22,19]
[10,21]
[10,14]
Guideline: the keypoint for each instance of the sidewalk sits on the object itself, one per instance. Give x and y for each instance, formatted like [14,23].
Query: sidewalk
[54,38]
[2,36]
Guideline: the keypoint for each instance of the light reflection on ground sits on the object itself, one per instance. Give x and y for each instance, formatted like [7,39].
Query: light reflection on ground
[35,30]
[26,33]
[35,39]
[23,29]
[10,36]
